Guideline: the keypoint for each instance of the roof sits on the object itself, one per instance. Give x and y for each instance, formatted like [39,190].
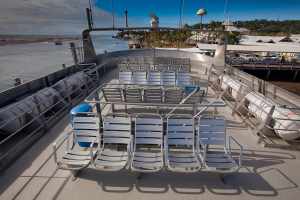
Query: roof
[253,40]
[265,47]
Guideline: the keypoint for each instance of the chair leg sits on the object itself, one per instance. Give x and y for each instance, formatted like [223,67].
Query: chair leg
[138,175]
[223,178]
[75,174]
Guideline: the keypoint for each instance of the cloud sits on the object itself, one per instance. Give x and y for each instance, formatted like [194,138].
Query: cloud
[47,16]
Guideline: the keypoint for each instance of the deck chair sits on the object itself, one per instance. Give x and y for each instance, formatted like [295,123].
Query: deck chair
[125,77]
[133,95]
[213,150]
[154,78]
[180,154]
[85,134]
[114,153]
[148,144]
[183,79]
[112,94]
[168,78]
[153,95]
[173,95]
[139,78]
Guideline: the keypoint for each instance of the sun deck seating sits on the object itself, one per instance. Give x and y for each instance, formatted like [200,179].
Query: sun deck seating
[133,95]
[114,154]
[173,95]
[148,144]
[180,154]
[113,94]
[139,78]
[183,78]
[151,95]
[85,133]
[125,77]
[154,78]
[166,78]
[213,150]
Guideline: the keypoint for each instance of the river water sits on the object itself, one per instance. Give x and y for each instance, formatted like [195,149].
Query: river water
[31,61]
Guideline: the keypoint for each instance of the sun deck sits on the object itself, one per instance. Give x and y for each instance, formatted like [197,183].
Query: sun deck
[266,173]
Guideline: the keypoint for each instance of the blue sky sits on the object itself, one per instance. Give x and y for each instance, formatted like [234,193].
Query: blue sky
[68,16]
[168,10]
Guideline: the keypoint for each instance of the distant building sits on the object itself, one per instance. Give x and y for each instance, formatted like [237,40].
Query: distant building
[229,26]
[154,21]
[286,42]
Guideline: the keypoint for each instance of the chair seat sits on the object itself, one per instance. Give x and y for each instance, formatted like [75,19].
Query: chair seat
[219,161]
[111,160]
[147,161]
[183,162]
[76,158]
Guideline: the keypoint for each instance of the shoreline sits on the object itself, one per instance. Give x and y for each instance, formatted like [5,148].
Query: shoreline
[15,40]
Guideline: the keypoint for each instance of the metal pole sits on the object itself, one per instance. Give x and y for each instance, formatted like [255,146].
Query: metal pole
[180,13]
[88,16]
[113,14]
[91,13]
[201,22]
[74,54]
[126,18]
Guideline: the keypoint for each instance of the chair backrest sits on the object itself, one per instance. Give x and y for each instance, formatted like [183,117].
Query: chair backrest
[133,95]
[168,78]
[139,78]
[125,77]
[173,95]
[180,131]
[149,131]
[183,78]
[112,94]
[86,129]
[195,98]
[212,131]
[153,95]
[116,130]
[154,78]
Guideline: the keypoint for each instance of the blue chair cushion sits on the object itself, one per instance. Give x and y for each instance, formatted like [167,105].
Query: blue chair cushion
[189,89]
[81,108]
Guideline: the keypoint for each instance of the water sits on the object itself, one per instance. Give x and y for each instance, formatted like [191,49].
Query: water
[31,61]
[107,43]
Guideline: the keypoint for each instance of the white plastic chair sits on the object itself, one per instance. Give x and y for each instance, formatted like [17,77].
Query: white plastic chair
[125,77]
[180,154]
[213,149]
[139,78]
[148,144]
[85,134]
[114,154]
[154,78]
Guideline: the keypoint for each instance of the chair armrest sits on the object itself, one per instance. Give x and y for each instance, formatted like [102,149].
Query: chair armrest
[92,154]
[166,150]
[232,139]
[59,141]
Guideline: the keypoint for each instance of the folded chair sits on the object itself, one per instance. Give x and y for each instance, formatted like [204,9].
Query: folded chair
[180,154]
[85,134]
[214,151]
[148,144]
[113,154]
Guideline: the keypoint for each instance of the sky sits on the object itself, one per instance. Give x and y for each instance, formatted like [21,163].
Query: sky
[68,16]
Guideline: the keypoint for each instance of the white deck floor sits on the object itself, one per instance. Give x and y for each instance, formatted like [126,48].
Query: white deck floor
[267,174]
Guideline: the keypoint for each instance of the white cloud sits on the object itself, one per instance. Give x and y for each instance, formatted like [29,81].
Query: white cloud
[46,16]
